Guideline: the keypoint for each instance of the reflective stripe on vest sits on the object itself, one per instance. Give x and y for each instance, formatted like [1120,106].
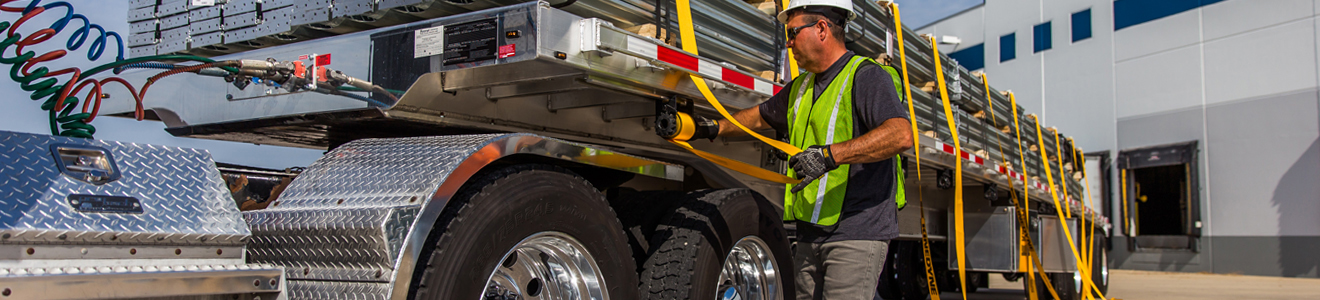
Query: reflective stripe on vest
[821,123]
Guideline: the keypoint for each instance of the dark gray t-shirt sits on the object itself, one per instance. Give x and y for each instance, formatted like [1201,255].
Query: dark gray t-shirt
[869,211]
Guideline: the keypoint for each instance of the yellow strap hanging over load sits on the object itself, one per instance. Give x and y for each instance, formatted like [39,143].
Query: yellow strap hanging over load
[957,171]
[1088,236]
[1063,178]
[1063,222]
[931,284]
[1034,256]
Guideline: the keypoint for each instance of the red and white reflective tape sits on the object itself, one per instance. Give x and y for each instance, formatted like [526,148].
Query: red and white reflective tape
[968,156]
[1010,173]
[706,69]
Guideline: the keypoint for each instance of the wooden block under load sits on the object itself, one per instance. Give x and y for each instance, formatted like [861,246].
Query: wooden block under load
[767,7]
[885,59]
[929,87]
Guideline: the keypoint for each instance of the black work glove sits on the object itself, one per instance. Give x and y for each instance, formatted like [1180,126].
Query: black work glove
[812,163]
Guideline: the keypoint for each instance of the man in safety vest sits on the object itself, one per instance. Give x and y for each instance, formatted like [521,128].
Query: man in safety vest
[846,116]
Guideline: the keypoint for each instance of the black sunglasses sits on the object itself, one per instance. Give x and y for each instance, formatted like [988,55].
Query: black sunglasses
[793,32]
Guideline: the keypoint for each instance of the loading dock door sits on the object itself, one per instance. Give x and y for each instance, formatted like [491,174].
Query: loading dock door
[1163,198]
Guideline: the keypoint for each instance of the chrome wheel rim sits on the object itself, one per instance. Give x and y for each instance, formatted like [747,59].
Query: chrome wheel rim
[1104,267]
[750,272]
[1077,282]
[547,266]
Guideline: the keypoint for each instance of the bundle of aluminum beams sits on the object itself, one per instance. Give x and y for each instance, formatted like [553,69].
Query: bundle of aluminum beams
[730,31]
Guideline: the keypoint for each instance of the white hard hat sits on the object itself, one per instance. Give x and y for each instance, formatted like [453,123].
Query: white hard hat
[846,5]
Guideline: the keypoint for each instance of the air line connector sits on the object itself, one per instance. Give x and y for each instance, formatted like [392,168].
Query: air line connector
[336,77]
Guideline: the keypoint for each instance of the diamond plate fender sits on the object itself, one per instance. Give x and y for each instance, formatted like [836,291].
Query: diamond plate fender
[336,290]
[183,198]
[362,212]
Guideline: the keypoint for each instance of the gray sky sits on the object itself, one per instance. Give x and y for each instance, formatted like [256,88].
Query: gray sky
[20,114]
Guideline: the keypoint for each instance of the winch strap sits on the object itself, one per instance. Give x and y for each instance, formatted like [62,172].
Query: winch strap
[1063,222]
[931,284]
[957,172]
[687,35]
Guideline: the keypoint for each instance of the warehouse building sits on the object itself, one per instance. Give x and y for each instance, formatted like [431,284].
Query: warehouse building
[1202,114]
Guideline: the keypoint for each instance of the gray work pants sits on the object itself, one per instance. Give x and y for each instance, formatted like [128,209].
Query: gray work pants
[842,270]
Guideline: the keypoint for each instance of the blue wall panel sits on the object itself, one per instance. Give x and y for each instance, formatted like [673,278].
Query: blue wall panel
[972,58]
[1042,37]
[1081,25]
[1132,12]
[1007,47]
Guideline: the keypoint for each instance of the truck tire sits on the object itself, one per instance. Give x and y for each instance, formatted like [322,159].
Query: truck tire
[1065,284]
[974,281]
[641,212]
[499,235]
[911,266]
[702,247]
[1100,265]
[887,287]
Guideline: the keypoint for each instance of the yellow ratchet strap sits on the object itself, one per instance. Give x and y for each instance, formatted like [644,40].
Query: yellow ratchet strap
[1033,255]
[1122,182]
[957,171]
[687,34]
[1063,222]
[1063,178]
[1088,236]
[931,284]
[792,62]
[1021,207]
[990,107]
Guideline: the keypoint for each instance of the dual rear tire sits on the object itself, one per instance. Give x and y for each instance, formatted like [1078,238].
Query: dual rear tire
[542,232]
[719,244]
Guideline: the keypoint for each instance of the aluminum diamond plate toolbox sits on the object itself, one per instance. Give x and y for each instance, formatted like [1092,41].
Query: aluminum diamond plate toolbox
[77,191]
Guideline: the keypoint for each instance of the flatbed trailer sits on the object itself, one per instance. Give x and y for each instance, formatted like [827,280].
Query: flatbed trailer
[527,165]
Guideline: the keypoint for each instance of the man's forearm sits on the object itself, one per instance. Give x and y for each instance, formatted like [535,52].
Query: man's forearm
[750,117]
[892,137]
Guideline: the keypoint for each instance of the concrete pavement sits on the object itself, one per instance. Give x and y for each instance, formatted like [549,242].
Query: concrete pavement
[1141,285]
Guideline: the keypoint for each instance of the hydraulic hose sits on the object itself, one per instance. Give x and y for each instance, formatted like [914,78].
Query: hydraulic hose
[326,88]
[44,84]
